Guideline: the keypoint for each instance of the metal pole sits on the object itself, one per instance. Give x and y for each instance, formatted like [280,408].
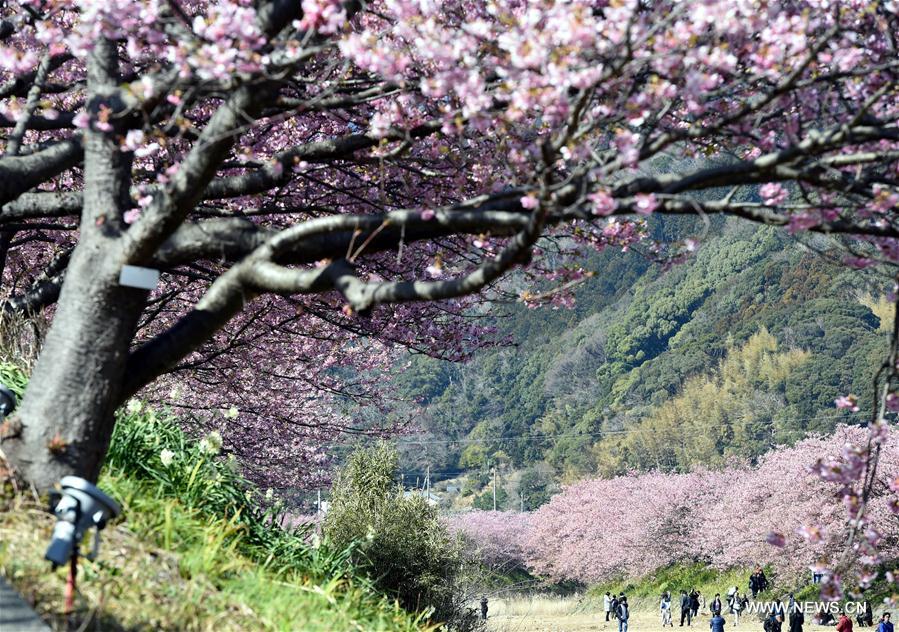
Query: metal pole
[494,489]
[71,584]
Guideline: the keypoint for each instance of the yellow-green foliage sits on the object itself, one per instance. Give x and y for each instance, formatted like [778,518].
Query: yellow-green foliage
[882,307]
[400,540]
[715,416]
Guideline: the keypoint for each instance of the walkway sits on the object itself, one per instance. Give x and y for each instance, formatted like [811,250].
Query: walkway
[15,614]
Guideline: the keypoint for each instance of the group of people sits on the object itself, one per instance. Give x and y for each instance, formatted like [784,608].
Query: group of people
[758,582]
[616,607]
[692,603]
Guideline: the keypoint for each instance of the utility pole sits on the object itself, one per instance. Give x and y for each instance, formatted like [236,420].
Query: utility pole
[494,488]
[318,514]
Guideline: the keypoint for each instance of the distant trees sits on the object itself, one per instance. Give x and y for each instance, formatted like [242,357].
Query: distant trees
[731,411]
[562,397]
[629,526]
[535,487]
[495,538]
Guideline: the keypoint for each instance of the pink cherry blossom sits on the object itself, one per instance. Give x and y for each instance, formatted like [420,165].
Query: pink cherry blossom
[645,203]
[847,402]
[530,201]
[603,203]
[773,194]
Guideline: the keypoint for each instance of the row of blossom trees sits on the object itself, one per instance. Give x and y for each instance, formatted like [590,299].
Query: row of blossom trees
[778,512]
[316,181]
[319,180]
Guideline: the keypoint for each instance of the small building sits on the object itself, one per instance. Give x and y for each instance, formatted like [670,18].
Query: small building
[432,498]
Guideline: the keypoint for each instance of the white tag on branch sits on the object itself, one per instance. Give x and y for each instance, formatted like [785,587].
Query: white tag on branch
[135,276]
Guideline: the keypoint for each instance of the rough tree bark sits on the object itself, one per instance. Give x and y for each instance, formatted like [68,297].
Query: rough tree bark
[81,366]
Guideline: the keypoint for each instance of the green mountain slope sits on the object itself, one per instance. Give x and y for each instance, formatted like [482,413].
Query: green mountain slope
[579,382]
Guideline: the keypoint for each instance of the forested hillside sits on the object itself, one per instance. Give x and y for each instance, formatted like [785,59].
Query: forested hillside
[742,347]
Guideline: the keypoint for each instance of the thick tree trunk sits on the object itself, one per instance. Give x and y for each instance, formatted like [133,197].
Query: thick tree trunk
[66,418]
[67,415]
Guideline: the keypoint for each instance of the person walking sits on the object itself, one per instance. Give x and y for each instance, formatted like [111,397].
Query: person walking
[717,623]
[607,604]
[716,604]
[780,610]
[685,610]
[738,604]
[844,624]
[865,618]
[796,619]
[885,624]
[773,622]
[763,581]
[665,609]
[614,607]
[483,607]
[694,602]
[624,614]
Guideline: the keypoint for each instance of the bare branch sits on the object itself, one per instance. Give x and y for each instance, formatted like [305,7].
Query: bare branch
[34,93]
[19,174]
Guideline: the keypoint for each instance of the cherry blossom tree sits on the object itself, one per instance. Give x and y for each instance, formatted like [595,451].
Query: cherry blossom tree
[496,538]
[778,512]
[785,503]
[627,526]
[304,171]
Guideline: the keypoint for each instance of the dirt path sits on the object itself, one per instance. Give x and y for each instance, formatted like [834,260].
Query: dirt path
[567,615]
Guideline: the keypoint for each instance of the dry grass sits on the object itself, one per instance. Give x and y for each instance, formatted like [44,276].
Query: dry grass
[538,606]
[577,614]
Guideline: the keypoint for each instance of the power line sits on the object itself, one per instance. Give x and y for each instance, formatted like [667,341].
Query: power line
[461,471]
[540,437]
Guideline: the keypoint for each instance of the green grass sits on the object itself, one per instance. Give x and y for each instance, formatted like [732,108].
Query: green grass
[193,549]
[169,567]
[646,590]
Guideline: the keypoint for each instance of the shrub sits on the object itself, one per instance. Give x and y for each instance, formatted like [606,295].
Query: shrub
[400,541]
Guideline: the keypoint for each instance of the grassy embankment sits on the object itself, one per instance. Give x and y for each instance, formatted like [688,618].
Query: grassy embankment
[192,551]
[645,591]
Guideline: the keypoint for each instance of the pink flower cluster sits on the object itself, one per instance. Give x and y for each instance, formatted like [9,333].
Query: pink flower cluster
[787,511]
[497,538]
